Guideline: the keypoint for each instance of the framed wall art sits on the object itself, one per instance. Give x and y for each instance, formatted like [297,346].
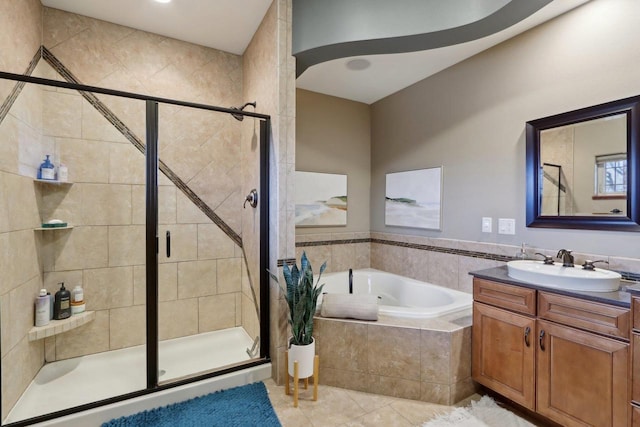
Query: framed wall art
[321,199]
[414,199]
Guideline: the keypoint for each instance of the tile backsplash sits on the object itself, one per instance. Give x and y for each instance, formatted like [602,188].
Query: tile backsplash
[444,262]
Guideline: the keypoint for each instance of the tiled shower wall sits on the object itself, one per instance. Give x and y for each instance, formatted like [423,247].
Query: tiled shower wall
[444,262]
[20,34]
[105,252]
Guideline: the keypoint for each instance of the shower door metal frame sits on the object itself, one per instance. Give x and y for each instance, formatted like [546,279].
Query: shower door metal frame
[151,165]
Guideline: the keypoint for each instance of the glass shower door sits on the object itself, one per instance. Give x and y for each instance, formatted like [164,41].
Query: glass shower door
[101,249]
[201,266]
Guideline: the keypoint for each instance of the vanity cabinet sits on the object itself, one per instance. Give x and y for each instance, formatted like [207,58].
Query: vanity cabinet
[539,350]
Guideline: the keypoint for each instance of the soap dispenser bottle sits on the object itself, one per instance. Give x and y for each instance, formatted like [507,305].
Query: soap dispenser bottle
[47,170]
[62,303]
[522,254]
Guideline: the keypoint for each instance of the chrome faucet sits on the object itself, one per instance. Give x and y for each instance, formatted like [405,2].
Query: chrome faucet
[566,257]
[350,280]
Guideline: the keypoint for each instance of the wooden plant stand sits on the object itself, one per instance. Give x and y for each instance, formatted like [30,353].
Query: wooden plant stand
[296,380]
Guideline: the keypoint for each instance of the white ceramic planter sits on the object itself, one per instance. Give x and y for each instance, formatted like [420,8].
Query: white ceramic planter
[304,355]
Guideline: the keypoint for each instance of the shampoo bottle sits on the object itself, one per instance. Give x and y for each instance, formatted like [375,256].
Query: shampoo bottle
[42,308]
[62,303]
[63,173]
[77,300]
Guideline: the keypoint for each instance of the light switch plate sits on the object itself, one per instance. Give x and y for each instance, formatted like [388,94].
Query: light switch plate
[487,224]
[506,226]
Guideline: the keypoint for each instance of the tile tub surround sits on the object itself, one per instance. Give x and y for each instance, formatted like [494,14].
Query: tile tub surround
[443,262]
[427,360]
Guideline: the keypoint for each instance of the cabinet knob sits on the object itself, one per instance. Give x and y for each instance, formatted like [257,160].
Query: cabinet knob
[527,331]
[542,340]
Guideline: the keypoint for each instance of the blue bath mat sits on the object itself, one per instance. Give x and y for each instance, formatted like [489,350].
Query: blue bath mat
[243,406]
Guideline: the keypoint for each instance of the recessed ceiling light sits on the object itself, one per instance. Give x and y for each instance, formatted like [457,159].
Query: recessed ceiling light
[163,1]
[358,64]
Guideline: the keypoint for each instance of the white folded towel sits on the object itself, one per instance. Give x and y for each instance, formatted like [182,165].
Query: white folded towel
[350,306]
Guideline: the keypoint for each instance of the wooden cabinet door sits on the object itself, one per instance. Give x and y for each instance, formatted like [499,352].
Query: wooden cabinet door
[581,377]
[503,353]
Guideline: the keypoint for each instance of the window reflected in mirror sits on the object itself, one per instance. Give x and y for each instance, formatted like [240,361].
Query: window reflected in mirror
[583,168]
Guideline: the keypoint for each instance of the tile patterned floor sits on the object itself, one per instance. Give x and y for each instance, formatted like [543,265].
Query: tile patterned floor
[347,408]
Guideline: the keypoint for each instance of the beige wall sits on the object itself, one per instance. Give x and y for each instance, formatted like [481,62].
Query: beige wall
[470,119]
[333,136]
[269,79]
[20,35]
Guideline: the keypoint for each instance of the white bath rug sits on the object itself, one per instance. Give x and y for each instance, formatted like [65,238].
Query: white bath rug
[483,413]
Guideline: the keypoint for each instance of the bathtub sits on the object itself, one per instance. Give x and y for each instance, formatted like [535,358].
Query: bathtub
[399,296]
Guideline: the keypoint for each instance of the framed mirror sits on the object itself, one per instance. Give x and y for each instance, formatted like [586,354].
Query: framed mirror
[583,168]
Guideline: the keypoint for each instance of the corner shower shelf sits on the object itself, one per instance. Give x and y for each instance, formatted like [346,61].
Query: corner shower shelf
[53,181]
[68,227]
[56,327]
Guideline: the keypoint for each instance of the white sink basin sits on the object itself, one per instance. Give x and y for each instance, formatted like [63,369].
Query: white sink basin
[557,276]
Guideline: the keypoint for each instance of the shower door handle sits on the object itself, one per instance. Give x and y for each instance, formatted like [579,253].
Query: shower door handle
[168,244]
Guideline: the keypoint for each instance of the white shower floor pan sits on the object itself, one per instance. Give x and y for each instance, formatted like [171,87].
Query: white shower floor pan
[72,382]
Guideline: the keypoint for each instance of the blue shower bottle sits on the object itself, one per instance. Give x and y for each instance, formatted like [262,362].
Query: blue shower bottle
[47,170]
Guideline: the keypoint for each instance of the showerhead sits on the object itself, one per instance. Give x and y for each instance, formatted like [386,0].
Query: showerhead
[240,117]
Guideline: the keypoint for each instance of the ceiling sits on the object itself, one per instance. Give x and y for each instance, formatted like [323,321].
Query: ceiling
[226,25]
[229,25]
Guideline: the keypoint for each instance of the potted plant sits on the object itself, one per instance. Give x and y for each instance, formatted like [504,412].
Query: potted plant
[301,295]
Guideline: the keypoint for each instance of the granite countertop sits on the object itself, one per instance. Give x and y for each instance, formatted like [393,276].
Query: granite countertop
[621,298]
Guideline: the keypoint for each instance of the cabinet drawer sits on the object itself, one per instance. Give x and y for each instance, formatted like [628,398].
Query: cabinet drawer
[591,316]
[515,298]
[635,306]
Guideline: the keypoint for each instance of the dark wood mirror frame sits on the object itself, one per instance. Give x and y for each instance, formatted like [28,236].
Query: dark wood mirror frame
[628,106]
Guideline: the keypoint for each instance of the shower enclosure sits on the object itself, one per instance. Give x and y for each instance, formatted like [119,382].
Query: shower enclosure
[160,234]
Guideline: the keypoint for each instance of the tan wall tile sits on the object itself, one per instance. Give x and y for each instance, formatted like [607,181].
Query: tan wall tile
[188,213]
[63,202]
[167,283]
[21,309]
[196,279]
[435,393]
[106,288]
[90,338]
[126,164]
[9,144]
[435,356]
[229,275]
[394,352]
[126,245]
[22,207]
[19,259]
[127,327]
[5,334]
[178,318]
[217,312]
[62,114]
[213,243]
[19,367]
[87,161]
[184,242]
[443,269]
[80,247]
[106,204]
[342,345]
[397,387]
[96,127]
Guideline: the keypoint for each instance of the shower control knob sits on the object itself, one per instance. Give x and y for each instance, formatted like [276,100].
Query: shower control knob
[252,198]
